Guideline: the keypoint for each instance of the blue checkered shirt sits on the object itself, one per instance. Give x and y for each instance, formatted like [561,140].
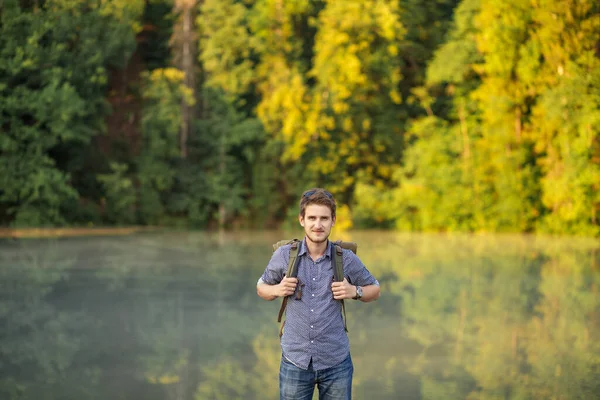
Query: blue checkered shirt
[314,327]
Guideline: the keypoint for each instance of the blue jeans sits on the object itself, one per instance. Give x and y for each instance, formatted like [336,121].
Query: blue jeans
[299,384]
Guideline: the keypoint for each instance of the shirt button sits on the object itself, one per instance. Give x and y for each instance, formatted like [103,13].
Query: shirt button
[312,310]
[313,279]
[313,295]
[312,341]
[311,326]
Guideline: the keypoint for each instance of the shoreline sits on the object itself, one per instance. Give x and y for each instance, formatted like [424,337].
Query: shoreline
[35,233]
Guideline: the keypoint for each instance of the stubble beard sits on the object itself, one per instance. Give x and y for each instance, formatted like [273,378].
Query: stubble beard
[316,240]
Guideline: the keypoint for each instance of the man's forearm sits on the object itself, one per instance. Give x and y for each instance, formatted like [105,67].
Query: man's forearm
[266,291]
[370,293]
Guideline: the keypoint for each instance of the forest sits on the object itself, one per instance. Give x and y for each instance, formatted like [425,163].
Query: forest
[418,115]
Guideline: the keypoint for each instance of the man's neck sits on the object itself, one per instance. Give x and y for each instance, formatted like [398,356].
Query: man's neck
[316,250]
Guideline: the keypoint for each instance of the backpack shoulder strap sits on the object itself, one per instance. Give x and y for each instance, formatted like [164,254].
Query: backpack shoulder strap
[338,272]
[293,262]
[337,256]
[292,271]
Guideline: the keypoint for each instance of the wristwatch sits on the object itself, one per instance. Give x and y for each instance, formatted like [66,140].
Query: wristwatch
[358,293]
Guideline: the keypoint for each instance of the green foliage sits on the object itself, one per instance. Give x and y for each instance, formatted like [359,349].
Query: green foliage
[509,150]
[251,69]
[224,152]
[120,194]
[350,112]
[53,74]
[453,61]
[159,158]
[226,48]
[444,115]
[566,116]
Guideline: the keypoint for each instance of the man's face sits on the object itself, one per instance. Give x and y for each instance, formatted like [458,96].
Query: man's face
[317,222]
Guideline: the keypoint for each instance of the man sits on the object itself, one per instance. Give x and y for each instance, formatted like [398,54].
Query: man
[315,347]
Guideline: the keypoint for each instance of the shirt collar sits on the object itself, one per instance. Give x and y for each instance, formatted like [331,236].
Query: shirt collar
[304,249]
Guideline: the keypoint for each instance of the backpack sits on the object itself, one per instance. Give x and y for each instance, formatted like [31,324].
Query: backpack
[292,272]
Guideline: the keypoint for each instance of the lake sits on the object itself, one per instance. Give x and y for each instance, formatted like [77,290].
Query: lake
[176,316]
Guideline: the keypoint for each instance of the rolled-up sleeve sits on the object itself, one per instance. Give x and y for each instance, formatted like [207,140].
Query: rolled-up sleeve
[277,267]
[356,272]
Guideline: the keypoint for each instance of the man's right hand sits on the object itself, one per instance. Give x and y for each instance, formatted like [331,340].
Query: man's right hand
[286,287]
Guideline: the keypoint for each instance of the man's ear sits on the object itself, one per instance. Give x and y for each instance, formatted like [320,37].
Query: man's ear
[333,221]
[300,219]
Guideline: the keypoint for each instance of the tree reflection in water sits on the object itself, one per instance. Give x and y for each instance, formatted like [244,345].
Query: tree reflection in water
[175,316]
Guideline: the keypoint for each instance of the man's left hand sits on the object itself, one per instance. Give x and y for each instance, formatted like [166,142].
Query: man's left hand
[343,290]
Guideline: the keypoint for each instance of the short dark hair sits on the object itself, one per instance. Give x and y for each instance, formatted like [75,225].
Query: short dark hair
[318,196]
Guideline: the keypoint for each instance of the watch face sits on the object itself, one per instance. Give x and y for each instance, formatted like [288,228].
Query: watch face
[359,292]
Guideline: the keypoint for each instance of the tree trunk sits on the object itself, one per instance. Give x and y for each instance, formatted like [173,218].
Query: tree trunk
[187,69]
[222,171]
[184,56]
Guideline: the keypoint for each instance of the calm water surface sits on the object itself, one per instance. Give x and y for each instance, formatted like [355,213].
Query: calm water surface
[176,316]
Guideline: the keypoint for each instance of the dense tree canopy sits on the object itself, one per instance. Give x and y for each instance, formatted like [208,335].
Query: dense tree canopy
[445,115]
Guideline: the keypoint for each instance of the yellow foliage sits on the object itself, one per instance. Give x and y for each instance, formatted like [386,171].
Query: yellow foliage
[283,110]
[340,107]
[392,50]
[395,96]
[166,82]
[173,75]
[366,124]
[131,10]
[348,124]
[343,220]
[226,45]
